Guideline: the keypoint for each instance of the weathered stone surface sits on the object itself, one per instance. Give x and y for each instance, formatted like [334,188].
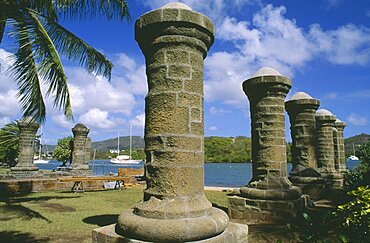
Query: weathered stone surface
[257,211]
[234,233]
[174,40]
[302,109]
[340,156]
[25,167]
[268,195]
[81,146]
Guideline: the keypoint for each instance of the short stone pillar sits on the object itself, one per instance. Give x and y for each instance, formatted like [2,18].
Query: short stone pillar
[325,148]
[175,40]
[25,167]
[340,155]
[269,197]
[81,148]
[302,109]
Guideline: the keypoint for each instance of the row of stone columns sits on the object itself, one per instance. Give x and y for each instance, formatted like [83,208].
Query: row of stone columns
[317,146]
[317,151]
[80,148]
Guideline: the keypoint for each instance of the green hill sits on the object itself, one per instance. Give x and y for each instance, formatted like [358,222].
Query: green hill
[124,143]
[355,141]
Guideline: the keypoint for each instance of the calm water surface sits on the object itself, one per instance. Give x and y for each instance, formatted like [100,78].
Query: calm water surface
[215,174]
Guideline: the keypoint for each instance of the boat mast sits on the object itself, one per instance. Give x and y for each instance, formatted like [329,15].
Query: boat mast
[118,145]
[40,145]
[354,150]
[130,139]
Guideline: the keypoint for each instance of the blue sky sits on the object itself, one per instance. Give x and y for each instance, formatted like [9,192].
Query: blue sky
[323,45]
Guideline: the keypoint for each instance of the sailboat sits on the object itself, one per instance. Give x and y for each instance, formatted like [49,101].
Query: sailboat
[125,159]
[38,158]
[353,157]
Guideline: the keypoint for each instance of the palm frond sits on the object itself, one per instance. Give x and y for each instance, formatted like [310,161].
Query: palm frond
[2,24]
[81,9]
[44,7]
[24,70]
[9,135]
[49,65]
[77,50]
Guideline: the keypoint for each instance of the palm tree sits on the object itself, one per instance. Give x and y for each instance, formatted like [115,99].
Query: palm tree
[34,25]
[9,143]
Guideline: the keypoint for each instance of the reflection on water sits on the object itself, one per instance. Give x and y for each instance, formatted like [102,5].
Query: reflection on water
[215,174]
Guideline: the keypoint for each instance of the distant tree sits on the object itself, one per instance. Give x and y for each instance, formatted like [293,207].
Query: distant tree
[222,149]
[62,151]
[9,143]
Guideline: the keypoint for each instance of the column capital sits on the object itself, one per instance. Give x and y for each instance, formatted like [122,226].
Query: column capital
[80,130]
[266,80]
[301,101]
[325,117]
[174,23]
[28,123]
[340,125]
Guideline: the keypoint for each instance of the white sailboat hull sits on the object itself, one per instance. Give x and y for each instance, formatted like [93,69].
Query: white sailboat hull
[125,162]
[41,161]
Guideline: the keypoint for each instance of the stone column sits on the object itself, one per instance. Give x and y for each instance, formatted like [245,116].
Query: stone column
[340,163]
[302,109]
[325,147]
[81,149]
[175,40]
[269,196]
[25,167]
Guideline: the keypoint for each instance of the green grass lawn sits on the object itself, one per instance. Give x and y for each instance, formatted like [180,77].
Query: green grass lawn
[69,217]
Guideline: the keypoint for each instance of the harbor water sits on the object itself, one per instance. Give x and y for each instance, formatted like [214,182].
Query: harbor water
[215,174]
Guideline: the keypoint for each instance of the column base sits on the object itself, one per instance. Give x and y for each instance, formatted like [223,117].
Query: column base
[260,211]
[25,171]
[181,229]
[233,233]
[312,186]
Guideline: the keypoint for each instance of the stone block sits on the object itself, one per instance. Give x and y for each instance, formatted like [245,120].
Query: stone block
[234,233]
[257,211]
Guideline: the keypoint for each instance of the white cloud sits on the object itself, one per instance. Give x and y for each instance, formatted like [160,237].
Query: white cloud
[332,95]
[213,128]
[9,103]
[218,111]
[273,40]
[357,120]
[224,75]
[138,121]
[215,9]
[62,121]
[349,44]
[4,120]
[99,119]
[334,3]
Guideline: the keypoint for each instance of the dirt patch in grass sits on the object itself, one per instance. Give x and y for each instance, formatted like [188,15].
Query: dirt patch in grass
[56,207]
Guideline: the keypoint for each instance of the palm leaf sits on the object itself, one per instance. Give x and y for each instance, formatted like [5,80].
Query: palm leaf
[77,50]
[2,25]
[79,9]
[24,70]
[49,65]
[9,135]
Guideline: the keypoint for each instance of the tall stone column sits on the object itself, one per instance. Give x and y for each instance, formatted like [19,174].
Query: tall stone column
[325,147]
[175,40]
[269,196]
[302,109]
[340,161]
[25,167]
[80,149]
